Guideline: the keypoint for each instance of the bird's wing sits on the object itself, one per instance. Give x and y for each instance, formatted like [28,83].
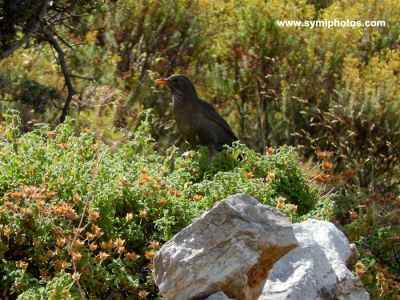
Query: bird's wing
[210,113]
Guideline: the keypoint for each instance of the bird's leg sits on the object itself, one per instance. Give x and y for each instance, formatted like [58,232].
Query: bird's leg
[211,151]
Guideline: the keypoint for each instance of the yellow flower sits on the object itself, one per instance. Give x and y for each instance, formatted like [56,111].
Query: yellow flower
[162,201]
[249,175]
[359,269]
[91,36]
[65,264]
[52,133]
[326,165]
[93,215]
[60,242]
[119,242]
[16,195]
[280,203]
[155,244]
[271,176]
[143,213]
[76,198]
[149,254]
[21,264]
[197,197]
[79,243]
[92,247]
[7,231]
[90,236]
[123,181]
[102,256]
[131,256]
[143,293]
[75,255]
[121,250]
[323,154]
[129,216]
[108,245]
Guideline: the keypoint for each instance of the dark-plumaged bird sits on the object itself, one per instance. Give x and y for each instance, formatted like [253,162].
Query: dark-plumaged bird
[197,121]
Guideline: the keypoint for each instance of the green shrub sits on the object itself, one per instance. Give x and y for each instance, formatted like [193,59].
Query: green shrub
[74,209]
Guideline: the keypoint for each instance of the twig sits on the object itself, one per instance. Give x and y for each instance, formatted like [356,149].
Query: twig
[64,68]
[82,77]
[28,35]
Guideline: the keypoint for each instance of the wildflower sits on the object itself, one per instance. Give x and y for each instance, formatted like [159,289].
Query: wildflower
[93,215]
[96,230]
[123,181]
[121,250]
[90,236]
[175,193]
[269,150]
[62,146]
[24,211]
[21,264]
[143,213]
[155,244]
[92,246]
[326,165]
[143,293]
[119,242]
[107,245]
[7,231]
[162,201]
[16,195]
[52,133]
[50,195]
[197,197]
[11,206]
[131,256]
[280,203]
[86,130]
[76,276]
[323,154]
[78,230]
[76,256]
[293,208]
[129,216]
[79,243]
[76,198]
[64,210]
[62,264]
[144,179]
[359,269]
[149,254]
[102,256]
[155,187]
[60,242]
[249,175]
[271,176]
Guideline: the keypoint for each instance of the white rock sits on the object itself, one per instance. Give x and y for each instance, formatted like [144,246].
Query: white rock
[231,248]
[317,269]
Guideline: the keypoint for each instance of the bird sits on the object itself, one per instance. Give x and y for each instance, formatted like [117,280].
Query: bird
[197,121]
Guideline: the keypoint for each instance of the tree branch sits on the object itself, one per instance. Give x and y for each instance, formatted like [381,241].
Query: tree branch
[28,35]
[64,68]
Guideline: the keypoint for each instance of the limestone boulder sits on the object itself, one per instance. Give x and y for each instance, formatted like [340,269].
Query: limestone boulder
[231,248]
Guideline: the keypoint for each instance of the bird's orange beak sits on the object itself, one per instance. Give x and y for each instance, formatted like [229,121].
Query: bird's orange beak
[161,81]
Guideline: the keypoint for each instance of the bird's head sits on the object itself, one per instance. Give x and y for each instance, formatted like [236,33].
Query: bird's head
[180,85]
